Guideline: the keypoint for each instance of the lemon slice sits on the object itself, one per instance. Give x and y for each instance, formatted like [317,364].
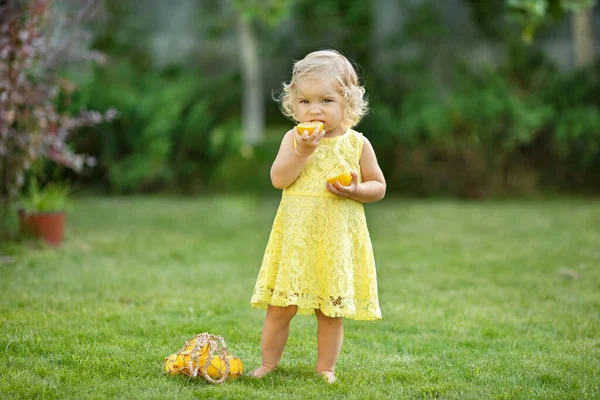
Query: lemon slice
[345,179]
[309,127]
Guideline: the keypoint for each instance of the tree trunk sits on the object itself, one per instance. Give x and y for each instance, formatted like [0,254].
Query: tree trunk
[583,39]
[387,21]
[4,201]
[253,107]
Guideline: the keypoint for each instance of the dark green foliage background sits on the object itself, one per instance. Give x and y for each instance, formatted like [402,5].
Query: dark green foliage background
[523,127]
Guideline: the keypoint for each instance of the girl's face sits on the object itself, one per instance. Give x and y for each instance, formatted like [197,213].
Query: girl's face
[318,100]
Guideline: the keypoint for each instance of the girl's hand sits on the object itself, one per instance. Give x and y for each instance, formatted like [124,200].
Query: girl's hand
[345,191]
[305,144]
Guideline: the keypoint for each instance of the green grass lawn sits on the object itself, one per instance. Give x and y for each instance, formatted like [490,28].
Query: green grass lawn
[490,300]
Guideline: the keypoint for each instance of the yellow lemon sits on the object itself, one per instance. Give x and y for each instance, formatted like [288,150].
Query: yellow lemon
[186,362]
[179,361]
[236,368]
[216,368]
[345,179]
[190,344]
[169,367]
[202,355]
[309,126]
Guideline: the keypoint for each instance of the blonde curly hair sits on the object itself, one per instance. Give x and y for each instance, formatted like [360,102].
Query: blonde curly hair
[329,63]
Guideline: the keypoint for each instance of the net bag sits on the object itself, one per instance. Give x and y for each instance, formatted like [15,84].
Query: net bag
[205,355]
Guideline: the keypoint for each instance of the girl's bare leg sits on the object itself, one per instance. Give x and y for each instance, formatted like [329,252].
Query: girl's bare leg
[274,337]
[330,335]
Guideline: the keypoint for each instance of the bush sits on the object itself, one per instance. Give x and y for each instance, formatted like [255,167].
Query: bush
[520,129]
[248,170]
[172,131]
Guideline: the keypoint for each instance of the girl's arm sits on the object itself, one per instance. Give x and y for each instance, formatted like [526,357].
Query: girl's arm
[373,185]
[290,161]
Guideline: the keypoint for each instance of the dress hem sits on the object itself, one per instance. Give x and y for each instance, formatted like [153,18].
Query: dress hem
[310,310]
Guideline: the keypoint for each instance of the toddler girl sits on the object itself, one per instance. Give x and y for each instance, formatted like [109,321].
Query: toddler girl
[319,257]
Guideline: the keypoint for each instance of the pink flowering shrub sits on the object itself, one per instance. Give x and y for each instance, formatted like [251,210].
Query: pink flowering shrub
[32,125]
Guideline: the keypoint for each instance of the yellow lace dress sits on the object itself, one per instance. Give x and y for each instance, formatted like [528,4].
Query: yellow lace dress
[319,252]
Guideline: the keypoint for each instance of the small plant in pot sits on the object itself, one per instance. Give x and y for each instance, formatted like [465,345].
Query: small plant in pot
[37,116]
[43,212]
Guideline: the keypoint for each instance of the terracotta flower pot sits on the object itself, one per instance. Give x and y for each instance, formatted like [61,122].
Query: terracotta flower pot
[49,226]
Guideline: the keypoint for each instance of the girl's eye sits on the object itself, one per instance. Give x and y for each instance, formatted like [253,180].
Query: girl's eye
[303,101]
[327,100]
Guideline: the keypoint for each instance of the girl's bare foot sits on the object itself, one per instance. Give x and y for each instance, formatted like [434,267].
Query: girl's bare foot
[260,371]
[328,375]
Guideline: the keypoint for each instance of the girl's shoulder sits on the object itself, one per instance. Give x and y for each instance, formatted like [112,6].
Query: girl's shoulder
[355,133]
[356,138]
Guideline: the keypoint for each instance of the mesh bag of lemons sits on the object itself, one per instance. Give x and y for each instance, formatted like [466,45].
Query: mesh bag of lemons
[205,355]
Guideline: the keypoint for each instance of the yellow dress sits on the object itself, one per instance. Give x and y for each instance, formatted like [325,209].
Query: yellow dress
[319,253]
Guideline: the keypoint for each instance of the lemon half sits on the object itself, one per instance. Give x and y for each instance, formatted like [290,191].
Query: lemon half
[345,179]
[309,127]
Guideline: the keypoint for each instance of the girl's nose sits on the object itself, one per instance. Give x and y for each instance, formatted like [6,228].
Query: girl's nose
[315,109]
